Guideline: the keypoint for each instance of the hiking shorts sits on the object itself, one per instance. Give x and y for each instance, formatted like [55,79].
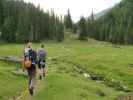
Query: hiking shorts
[41,64]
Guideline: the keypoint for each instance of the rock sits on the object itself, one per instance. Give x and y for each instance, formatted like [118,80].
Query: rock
[11,59]
[20,72]
[100,93]
[97,77]
[86,75]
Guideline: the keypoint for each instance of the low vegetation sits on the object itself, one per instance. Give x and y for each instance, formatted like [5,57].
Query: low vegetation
[67,64]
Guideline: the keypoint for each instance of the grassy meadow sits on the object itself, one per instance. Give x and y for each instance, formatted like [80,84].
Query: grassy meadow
[65,63]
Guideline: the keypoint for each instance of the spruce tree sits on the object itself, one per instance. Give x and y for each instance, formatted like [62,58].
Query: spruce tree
[20,22]
[68,20]
[1,13]
[82,29]
[8,30]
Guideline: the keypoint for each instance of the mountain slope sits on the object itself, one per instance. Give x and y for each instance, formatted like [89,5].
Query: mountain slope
[102,13]
[116,24]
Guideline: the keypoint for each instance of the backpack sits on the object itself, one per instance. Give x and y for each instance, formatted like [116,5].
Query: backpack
[27,64]
[30,59]
[41,54]
[33,56]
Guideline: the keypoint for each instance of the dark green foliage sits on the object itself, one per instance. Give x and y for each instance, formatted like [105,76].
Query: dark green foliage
[116,25]
[52,28]
[100,93]
[1,13]
[20,22]
[60,35]
[82,29]
[68,21]
[87,28]
[23,27]
[8,30]
[91,27]
[75,28]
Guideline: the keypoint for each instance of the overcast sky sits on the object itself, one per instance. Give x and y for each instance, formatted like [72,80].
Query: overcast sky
[77,7]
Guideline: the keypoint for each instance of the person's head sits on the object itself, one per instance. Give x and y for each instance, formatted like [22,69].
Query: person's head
[29,45]
[42,46]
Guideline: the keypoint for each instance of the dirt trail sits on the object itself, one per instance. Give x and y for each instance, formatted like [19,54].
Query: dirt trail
[25,94]
[40,84]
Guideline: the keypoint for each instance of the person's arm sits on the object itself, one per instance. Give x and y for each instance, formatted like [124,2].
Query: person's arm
[23,54]
[23,58]
[38,54]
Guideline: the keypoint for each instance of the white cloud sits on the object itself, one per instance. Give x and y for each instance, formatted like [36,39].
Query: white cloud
[77,7]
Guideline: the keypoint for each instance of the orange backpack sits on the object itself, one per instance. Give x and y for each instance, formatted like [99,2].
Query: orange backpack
[27,64]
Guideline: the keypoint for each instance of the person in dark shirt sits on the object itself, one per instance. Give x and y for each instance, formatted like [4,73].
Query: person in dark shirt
[31,55]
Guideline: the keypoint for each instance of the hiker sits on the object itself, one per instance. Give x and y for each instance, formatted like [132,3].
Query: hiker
[30,57]
[41,62]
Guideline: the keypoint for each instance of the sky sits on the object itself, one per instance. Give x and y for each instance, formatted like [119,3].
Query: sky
[77,8]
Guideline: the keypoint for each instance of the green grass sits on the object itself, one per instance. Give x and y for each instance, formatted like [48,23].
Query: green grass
[10,85]
[63,84]
[63,81]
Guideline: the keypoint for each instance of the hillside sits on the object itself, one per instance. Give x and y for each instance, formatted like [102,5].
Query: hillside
[102,13]
[78,66]
[116,25]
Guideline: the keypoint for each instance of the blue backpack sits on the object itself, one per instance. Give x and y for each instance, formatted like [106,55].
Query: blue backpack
[32,56]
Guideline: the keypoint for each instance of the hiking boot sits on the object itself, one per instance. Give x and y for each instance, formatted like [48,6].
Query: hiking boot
[40,77]
[43,74]
[31,91]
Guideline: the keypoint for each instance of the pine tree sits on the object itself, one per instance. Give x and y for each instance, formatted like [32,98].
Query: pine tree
[92,27]
[82,29]
[20,22]
[8,30]
[23,30]
[60,31]
[52,26]
[68,20]
[1,13]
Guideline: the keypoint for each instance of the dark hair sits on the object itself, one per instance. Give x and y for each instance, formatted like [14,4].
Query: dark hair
[42,46]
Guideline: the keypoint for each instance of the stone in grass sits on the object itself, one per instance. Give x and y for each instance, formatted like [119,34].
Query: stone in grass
[126,89]
[97,77]
[19,72]
[121,87]
[81,71]
[86,75]
[100,93]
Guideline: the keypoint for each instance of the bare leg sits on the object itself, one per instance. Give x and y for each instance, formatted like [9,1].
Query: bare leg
[32,80]
[43,72]
[40,73]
